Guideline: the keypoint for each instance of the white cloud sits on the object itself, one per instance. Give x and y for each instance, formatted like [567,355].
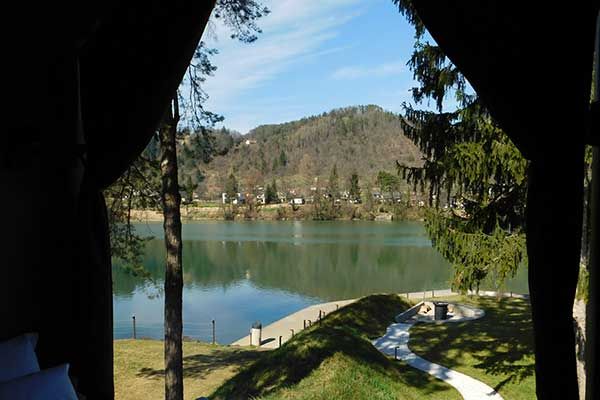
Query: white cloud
[357,72]
[294,31]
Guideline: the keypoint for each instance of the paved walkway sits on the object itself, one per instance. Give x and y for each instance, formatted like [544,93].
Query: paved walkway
[295,321]
[396,341]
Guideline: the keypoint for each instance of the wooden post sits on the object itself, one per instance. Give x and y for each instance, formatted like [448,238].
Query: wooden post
[396,352]
[292,332]
[432,294]
[134,332]
[304,324]
[214,339]
[280,341]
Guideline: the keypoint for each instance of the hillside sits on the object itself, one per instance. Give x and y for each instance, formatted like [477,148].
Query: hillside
[360,139]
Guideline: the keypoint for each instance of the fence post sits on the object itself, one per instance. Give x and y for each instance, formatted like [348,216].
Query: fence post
[280,341]
[304,324]
[396,352]
[214,339]
[292,332]
[134,332]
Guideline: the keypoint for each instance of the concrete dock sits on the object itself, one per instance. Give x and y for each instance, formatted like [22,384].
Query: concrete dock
[295,321]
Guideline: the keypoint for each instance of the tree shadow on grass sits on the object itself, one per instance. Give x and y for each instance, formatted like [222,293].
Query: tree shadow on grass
[500,343]
[201,365]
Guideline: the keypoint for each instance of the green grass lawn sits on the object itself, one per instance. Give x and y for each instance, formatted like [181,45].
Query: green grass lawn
[139,368]
[335,360]
[496,349]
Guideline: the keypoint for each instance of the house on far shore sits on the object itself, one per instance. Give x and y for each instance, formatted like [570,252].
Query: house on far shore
[240,198]
[297,201]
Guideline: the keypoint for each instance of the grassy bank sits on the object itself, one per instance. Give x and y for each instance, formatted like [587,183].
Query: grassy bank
[496,349]
[335,360]
[139,368]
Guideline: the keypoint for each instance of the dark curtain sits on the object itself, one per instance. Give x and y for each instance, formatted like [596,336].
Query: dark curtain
[532,66]
[88,85]
[72,133]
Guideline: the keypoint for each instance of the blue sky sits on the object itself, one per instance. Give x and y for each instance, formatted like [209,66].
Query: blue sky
[313,56]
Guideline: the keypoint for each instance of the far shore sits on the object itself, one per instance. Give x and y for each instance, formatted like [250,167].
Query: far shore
[278,212]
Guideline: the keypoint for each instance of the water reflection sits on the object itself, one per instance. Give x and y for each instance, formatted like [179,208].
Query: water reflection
[246,271]
[328,261]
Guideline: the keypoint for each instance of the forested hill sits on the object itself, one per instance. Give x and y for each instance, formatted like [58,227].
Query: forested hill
[361,139]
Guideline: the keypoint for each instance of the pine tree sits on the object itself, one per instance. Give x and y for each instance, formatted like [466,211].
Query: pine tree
[333,187]
[231,188]
[271,193]
[171,204]
[470,159]
[283,158]
[354,191]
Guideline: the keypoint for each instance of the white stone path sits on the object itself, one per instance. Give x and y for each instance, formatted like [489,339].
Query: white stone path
[397,336]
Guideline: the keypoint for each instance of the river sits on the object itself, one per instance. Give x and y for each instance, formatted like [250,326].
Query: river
[239,272]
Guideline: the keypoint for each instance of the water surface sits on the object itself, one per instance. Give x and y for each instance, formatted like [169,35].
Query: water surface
[240,272]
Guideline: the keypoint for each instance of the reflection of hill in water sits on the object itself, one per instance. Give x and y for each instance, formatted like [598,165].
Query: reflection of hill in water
[325,270]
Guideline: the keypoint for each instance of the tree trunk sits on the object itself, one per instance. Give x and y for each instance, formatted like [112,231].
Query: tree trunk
[171,202]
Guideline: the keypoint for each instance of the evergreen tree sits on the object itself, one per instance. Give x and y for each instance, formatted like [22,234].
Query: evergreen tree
[469,158]
[189,188]
[283,158]
[271,193]
[388,183]
[354,187]
[333,187]
[171,205]
[231,187]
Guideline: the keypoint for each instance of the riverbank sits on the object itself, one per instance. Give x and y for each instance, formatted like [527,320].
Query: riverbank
[276,334]
[335,359]
[496,349]
[284,212]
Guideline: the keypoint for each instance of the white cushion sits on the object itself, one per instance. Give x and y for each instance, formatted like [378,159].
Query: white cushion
[49,384]
[17,357]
